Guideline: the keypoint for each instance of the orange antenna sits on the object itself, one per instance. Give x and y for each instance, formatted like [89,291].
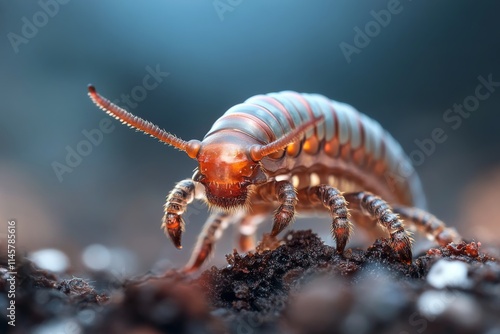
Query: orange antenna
[257,152]
[190,147]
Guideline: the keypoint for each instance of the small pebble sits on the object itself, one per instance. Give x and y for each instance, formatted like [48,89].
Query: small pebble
[449,274]
[50,259]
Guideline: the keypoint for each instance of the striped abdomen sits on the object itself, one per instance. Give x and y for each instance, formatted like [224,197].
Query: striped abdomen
[348,150]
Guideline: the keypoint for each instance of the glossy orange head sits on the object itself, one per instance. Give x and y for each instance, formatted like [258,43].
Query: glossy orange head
[226,169]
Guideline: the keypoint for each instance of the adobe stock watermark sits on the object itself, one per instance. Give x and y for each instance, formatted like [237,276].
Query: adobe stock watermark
[12,273]
[248,324]
[419,320]
[193,210]
[372,29]
[453,118]
[31,26]
[94,137]
[450,282]
[223,6]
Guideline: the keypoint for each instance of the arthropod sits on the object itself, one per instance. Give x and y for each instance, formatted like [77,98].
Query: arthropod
[286,152]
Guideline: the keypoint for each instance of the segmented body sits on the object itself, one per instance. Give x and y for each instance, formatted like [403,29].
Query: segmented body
[279,153]
[349,150]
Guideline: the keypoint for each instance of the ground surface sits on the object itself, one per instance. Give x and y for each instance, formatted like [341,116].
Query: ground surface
[297,286]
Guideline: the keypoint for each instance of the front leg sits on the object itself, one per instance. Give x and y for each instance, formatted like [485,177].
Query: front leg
[287,196]
[177,201]
[212,231]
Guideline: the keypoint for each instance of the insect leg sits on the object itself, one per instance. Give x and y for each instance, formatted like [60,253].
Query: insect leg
[335,202]
[212,231]
[247,228]
[287,196]
[377,208]
[177,201]
[429,224]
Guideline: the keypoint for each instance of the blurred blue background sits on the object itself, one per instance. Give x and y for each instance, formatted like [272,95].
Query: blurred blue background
[427,58]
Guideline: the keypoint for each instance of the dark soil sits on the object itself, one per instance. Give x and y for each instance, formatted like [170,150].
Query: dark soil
[297,286]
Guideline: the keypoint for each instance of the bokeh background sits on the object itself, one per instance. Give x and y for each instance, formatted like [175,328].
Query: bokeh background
[217,54]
